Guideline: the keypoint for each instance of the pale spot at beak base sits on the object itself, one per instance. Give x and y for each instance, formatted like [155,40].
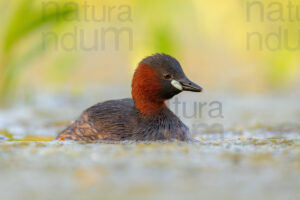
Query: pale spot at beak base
[176,84]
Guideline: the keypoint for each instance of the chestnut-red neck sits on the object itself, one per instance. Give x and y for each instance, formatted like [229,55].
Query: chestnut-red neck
[145,90]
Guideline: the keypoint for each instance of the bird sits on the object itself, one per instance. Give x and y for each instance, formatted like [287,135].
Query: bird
[145,116]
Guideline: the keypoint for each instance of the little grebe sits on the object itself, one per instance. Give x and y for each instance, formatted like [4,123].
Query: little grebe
[145,117]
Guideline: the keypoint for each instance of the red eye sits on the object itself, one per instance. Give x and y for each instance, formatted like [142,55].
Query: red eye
[167,76]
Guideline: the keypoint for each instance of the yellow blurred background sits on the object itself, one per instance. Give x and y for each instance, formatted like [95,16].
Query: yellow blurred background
[238,46]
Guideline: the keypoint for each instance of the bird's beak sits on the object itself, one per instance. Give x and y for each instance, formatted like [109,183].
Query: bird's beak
[188,85]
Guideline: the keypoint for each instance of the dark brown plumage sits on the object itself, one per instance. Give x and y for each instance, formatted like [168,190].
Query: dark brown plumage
[143,118]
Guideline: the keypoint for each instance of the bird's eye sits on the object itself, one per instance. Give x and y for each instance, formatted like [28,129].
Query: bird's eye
[167,76]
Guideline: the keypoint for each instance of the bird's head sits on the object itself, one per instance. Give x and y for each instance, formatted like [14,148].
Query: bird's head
[158,78]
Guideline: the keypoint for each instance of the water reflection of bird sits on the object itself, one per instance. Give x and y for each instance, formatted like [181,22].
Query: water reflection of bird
[145,116]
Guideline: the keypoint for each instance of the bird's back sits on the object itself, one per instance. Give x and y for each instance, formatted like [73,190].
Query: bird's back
[118,120]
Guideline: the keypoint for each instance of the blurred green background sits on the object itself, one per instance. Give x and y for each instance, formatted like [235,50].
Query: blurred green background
[44,44]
